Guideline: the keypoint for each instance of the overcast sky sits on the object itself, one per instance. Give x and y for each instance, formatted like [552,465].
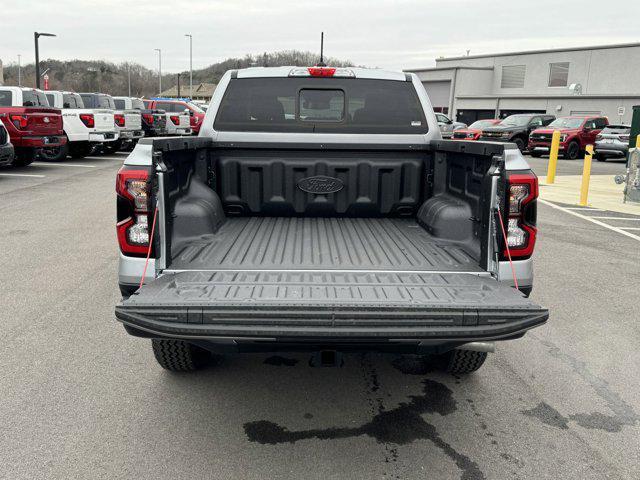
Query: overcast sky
[375,33]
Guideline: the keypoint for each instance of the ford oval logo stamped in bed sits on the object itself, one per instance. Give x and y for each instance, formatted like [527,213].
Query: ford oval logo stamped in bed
[320,185]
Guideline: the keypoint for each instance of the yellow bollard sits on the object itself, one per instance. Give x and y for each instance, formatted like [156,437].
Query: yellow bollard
[553,157]
[586,176]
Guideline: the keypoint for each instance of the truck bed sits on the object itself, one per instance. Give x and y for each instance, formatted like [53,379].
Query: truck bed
[317,243]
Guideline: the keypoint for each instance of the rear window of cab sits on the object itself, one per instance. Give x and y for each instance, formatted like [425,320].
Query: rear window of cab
[321,105]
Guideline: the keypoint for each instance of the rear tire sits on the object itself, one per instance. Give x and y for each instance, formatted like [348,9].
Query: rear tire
[520,143]
[573,151]
[24,157]
[112,147]
[55,154]
[536,154]
[601,158]
[179,356]
[80,149]
[462,362]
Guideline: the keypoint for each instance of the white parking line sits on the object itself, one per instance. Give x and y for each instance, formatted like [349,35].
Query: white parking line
[588,209]
[47,164]
[617,218]
[630,228]
[21,175]
[590,219]
[104,159]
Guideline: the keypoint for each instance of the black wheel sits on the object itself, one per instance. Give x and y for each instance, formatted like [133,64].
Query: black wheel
[463,361]
[112,147]
[519,143]
[600,157]
[573,151]
[535,154]
[179,356]
[80,149]
[54,154]
[24,157]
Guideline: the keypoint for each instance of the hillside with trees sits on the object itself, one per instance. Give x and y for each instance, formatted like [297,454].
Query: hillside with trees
[112,78]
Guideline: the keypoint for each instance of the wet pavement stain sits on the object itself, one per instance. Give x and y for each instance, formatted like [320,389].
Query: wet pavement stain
[623,413]
[279,361]
[401,425]
[413,365]
[548,415]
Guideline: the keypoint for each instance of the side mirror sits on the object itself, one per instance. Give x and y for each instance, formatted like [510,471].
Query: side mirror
[188,112]
[586,128]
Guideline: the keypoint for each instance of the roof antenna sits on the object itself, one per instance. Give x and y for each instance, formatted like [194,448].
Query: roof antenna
[321,62]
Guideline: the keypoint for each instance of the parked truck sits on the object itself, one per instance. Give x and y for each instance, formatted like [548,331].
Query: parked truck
[154,122]
[173,105]
[33,127]
[104,105]
[84,127]
[516,129]
[319,210]
[576,132]
[7,153]
[128,124]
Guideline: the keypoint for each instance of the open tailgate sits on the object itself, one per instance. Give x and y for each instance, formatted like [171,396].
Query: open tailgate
[330,306]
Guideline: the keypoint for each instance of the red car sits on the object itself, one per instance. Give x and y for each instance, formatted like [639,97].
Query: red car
[33,127]
[178,106]
[576,132]
[473,131]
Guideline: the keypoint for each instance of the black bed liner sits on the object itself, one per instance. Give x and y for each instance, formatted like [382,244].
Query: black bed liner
[315,243]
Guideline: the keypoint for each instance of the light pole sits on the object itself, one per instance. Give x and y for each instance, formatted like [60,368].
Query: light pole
[129,76]
[36,36]
[190,64]
[19,71]
[159,69]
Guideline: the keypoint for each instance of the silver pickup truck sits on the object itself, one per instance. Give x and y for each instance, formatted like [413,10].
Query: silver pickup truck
[320,210]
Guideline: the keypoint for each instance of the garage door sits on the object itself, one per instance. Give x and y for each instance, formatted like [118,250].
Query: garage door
[438,93]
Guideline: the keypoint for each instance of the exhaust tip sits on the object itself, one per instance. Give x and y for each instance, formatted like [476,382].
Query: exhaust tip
[488,347]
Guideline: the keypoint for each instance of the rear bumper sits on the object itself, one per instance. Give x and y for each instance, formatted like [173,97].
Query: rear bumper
[39,142]
[544,146]
[612,149]
[103,137]
[6,154]
[131,134]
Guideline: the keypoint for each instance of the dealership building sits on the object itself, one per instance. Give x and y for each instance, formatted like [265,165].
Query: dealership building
[600,80]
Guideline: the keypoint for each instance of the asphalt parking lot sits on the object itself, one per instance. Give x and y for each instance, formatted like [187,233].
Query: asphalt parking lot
[81,399]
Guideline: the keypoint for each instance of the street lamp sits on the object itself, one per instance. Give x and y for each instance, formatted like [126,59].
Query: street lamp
[159,69]
[19,71]
[190,64]
[36,36]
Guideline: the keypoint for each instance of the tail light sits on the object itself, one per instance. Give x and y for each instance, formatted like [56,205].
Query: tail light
[522,192]
[175,119]
[88,120]
[132,187]
[20,121]
[119,119]
[148,118]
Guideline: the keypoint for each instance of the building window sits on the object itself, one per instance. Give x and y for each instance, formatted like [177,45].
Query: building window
[513,76]
[558,74]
